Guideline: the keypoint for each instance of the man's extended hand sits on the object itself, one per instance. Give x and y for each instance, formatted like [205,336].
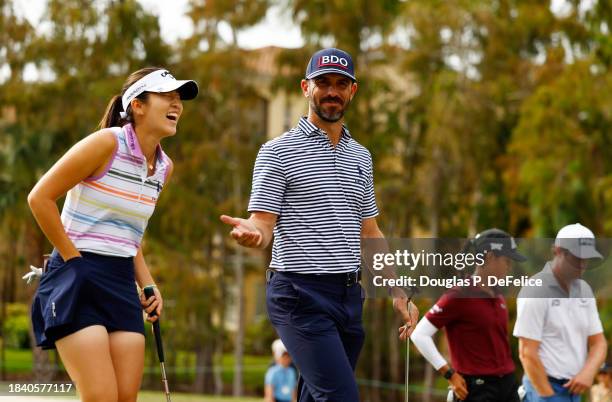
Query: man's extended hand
[244,231]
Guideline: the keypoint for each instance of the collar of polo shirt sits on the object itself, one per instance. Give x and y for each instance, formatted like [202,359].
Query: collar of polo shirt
[575,286]
[309,129]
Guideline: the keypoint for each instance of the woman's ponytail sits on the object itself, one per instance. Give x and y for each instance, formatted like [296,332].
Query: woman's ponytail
[112,117]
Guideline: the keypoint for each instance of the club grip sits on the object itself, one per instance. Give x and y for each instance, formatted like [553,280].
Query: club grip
[148,291]
[158,342]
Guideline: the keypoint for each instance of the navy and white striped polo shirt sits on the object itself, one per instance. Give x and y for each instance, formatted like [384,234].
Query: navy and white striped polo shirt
[321,195]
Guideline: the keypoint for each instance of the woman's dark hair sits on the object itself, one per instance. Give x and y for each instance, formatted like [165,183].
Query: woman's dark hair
[468,248]
[111,117]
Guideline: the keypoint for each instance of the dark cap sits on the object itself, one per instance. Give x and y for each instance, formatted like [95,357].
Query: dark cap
[330,60]
[499,242]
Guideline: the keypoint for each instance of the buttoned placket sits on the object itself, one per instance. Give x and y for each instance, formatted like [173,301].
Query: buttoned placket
[336,152]
[143,177]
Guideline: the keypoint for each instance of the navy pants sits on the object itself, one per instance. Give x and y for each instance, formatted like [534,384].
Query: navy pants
[318,319]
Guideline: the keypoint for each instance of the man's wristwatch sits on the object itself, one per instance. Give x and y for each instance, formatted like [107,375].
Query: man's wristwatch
[449,373]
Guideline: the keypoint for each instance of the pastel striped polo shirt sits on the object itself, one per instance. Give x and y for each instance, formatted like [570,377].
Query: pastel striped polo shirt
[321,195]
[108,214]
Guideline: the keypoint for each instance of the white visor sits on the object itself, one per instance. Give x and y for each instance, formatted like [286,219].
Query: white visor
[158,81]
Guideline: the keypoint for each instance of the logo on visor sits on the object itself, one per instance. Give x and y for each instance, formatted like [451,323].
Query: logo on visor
[166,73]
[333,60]
[135,90]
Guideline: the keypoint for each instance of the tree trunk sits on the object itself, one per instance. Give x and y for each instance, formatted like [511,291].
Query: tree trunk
[217,369]
[31,245]
[199,383]
[204,381]
[239,269]
[375,308]
[394,350]
[434,226]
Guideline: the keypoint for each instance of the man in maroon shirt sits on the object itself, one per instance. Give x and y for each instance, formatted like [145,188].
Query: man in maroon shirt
[476,321]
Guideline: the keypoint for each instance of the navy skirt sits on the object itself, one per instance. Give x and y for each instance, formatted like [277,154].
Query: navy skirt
[90,290]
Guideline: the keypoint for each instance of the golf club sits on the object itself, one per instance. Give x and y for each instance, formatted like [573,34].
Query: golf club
[407,391]
[148,291]
[407,366]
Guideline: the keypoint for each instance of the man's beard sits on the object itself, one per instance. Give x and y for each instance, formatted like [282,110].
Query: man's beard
[330,117]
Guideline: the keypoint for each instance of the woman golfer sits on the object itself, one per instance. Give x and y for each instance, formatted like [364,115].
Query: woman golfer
[87,305]
[476,321]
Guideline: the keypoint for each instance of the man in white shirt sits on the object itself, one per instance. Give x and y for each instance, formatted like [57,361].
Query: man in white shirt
[561,340]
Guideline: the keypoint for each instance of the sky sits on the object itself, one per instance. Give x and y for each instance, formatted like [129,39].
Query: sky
[276,29]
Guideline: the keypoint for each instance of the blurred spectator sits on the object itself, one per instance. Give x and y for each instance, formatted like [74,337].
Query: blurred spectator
[602,390]
[281,379]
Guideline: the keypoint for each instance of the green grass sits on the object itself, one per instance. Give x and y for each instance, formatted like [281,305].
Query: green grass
[152,396]
[20,362]
[178,397]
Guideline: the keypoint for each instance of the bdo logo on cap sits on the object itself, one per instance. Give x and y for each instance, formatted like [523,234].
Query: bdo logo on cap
[333,60]
[330,60]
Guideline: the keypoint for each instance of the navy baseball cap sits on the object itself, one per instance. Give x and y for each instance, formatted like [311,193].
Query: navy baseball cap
[330,60]
[499,242]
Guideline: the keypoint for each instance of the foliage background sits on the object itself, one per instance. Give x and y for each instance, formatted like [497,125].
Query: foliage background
[478,114]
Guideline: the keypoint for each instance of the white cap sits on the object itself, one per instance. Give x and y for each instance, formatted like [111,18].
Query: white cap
[278,349]
[158,81]
[578,240]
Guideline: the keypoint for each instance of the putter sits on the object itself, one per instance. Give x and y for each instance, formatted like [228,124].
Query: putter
[407,391]
[406,327]
[148,291]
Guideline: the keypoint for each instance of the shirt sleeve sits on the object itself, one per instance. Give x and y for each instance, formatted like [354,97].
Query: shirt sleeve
[530,317]
[595,326]
[269,182]
[269,379]
[369,209]
[443,312]
[422,337]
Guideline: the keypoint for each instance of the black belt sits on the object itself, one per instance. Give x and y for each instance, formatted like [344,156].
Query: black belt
[346,278]
[481,379]
[559,381]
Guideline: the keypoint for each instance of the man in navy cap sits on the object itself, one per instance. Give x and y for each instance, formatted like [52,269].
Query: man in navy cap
[313,190]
